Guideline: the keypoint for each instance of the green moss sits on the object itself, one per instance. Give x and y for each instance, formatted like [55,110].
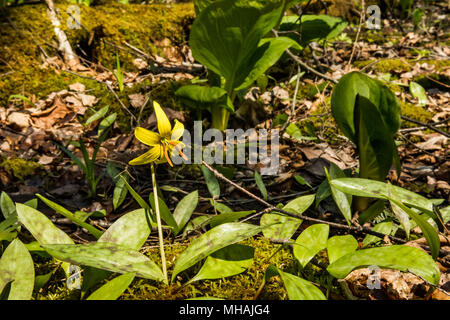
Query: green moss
[21,63]
[20,168]
[400,65]
[412,111]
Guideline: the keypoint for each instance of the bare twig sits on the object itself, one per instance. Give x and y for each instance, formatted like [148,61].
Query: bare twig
[294,101]
[429,126]
[361,20]
[357,229]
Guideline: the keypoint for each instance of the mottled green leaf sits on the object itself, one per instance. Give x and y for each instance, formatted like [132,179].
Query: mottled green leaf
[339,246]
[106,123]
[16,265]
[226,262]
[310,242]
[376,189]
[211,241]
[131,230]
[342,200]
[6,205]
[113,289]
[285,226]
[184,210]
[42,229]
[107,256]
[399,257]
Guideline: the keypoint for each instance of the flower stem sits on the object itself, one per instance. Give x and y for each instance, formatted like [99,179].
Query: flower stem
[158,221]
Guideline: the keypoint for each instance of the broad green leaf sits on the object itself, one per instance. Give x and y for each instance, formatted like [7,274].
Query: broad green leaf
[211,241]
[113,289]
[399,257]
[344,97]
[211,182]
[228,217]
[7,205]
[296,287]
[339,246]
[312,240]
[196,96]
[382,227]
[97,115]
[226,262]
[226,37]
[314,28]
[184,210]
[342,200]
[131,230]
[268,53]
[419,93]
[260,183]
[285,226]
[107,256]
[69,215]
[376,189]
[16,265]
[296,133]
[222,208]
[42,229]
[164,211]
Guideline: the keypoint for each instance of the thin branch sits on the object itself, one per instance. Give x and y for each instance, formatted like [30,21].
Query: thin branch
[429,126]
[357,229]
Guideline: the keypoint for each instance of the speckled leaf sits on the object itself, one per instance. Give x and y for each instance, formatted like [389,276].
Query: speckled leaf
[400,257]
[376,189]
[113,288]
[211,182]
[418,92]
[296,287]
[42,229]
[286,226]
[342,200]
[6,205]
[211,241]
[107,256]
[310,242]
[184,210]
[131,230]
[16,265]
[383,227]
[226,262]
[339,246]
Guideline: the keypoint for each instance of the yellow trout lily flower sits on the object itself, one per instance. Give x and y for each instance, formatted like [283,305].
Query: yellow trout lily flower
[161,144]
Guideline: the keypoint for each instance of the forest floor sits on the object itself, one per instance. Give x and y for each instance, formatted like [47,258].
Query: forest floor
[44,103]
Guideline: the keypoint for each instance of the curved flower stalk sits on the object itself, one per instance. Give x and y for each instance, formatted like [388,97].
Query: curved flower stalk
[162,145]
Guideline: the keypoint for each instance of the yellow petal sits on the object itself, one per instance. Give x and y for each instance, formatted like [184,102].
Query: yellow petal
[152,155]
[146,136]
[178,130]
[164,126]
